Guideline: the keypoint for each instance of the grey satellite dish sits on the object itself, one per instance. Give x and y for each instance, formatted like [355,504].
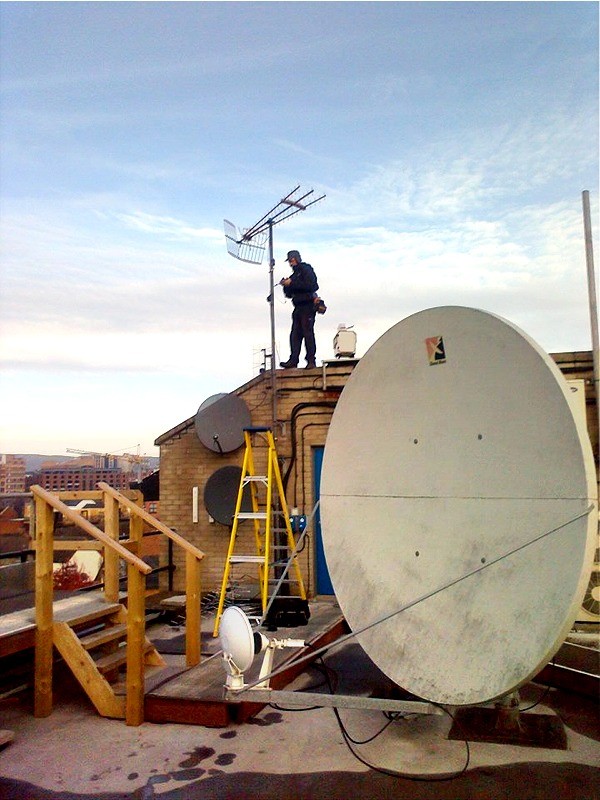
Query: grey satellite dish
[221,492]
[453,452]
[220,422]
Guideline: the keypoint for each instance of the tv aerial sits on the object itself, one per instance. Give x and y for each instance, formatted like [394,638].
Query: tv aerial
[250,246]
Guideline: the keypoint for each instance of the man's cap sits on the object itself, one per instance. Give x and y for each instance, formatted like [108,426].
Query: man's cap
[294,254]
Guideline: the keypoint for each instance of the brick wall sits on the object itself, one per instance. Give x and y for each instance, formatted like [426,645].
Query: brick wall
[305,403]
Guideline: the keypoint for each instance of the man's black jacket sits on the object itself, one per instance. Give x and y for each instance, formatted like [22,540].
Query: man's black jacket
[304,285]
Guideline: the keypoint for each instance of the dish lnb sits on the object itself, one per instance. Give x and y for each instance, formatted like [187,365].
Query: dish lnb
[344,342]
[240,645]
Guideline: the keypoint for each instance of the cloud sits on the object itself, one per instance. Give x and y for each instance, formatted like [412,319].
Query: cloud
[168,227]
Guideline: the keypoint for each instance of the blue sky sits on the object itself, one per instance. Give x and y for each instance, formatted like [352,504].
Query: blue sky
[452,141]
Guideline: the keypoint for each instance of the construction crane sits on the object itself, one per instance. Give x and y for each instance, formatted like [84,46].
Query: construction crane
[111,460]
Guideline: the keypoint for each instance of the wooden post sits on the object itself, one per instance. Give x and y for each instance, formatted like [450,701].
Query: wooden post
[136,530]
[192,610]
[136,634]
[111,558]
[44,519]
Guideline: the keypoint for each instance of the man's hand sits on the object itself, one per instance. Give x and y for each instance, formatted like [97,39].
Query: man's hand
[285,281]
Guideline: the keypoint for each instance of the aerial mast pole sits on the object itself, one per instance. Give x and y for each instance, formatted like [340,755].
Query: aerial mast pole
[272,316]
[250,246]
[589,258]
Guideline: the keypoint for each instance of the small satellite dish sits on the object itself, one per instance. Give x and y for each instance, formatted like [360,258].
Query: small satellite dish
[457,485]
[220,422]
[240,644]
[221,492]
[237,638]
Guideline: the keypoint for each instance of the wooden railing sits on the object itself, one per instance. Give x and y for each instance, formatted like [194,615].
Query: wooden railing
[193,557]
[114,550]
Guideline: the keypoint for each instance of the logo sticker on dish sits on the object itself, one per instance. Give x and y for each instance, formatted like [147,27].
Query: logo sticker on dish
[436,352]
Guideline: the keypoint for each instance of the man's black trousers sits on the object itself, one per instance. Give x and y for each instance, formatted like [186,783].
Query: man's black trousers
[303,328]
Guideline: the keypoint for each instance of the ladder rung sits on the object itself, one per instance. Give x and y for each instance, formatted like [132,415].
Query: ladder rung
[250,478]
[247,560]
[252,515]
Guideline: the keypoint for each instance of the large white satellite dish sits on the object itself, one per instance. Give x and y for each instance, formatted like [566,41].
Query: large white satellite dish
[453,446]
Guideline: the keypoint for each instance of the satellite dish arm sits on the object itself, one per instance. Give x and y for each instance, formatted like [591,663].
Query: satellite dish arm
[267,664]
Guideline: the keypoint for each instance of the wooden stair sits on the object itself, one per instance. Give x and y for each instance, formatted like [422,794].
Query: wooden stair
[94,647]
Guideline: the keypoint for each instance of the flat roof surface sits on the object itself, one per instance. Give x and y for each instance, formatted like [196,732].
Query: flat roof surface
[74,753]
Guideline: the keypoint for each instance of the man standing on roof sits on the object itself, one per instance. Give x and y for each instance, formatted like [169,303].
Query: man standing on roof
[301,287]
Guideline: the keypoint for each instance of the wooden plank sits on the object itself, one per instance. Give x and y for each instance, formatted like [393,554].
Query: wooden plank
[210,714]
[44,519]
[83,667]
[153,521]
[90,529]
[81,609]
[17,642]
[112,661]
[96,494]
[17,629]
[111,558]
[192,606]
[196,697]
[92,640]
[72,544]
[136,621]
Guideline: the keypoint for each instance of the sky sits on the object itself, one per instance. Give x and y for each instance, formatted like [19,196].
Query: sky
[452,142]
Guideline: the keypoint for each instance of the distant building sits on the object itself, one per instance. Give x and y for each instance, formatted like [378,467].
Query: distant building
[12,474]
[68,478]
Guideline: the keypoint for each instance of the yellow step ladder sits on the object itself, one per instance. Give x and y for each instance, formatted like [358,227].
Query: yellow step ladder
[266,557]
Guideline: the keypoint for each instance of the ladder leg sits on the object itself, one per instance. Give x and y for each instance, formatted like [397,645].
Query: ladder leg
[226,572]
[254,498]
[291,542]
[268,525]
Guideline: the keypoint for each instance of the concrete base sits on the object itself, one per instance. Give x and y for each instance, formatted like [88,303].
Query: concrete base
[527,730]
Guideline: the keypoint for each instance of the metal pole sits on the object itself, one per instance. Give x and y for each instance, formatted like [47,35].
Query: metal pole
[272,309]
[589,257]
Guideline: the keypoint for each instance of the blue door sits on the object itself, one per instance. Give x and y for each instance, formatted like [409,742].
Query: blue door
[323,580]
